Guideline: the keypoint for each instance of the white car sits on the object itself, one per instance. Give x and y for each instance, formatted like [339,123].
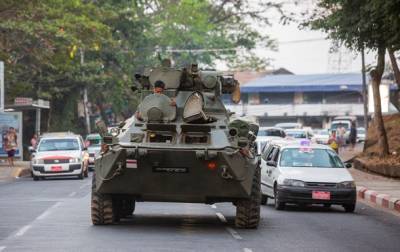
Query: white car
[59,154]
[93,145]
[360,134]
[321,136]
[305,174]
[300,134]
[267,134]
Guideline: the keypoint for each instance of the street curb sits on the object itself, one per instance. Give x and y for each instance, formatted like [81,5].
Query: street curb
[379,199]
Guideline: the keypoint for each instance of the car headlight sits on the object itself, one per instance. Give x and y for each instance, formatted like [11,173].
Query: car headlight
[74,160]
[346,184]
[36,161]
[293,182]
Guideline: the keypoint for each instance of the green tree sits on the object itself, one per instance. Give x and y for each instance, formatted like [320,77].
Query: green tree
[362,24]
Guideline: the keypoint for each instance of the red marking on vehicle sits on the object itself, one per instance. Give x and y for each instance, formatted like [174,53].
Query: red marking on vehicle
[212,165]
[321,195]
[56,168]
[131,163]
[56,157]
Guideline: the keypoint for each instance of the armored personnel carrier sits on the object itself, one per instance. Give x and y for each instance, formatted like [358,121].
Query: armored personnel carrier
[182,145]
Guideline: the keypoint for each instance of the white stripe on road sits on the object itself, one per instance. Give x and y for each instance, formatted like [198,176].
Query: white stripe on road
[72,194]
[47,212]
[234,233]
[23,230]
[221,217]
[2,248]
[247,250]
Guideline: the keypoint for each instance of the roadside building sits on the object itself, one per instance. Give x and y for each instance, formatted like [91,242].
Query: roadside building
[312,100]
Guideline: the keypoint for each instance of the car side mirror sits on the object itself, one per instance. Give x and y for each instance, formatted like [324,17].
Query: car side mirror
[31,149]
[271,163]
[348,165]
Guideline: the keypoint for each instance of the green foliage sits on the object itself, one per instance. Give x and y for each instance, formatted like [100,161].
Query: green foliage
[54,48]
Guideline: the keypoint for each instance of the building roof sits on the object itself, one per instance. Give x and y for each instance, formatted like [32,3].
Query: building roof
[305,83]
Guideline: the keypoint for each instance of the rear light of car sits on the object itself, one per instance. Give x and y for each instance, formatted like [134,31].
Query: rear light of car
[211,165]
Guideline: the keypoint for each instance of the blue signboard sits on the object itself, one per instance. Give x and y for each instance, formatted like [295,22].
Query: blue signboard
[7,120]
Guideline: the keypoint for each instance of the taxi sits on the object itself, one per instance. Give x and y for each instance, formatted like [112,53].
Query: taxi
[93,145]
[305,173]
[59,154]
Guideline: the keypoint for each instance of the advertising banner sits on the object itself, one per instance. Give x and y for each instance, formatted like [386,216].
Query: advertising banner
[7,120]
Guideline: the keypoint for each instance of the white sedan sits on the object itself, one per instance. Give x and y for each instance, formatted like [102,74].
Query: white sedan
[305,173]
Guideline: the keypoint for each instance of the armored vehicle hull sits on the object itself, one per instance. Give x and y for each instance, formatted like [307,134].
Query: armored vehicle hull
[189,155]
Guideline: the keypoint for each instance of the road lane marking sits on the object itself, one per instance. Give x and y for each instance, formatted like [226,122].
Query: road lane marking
[48,211]
[2,248]
[234,233]
[72,194]
[247,250]
[23,230]
[221,217]
[213,206]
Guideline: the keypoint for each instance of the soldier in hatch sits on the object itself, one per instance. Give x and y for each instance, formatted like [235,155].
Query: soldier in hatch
[159,87]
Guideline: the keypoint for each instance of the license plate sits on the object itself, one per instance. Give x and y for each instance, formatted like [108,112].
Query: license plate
[56,168]
[321,195]
[171,169]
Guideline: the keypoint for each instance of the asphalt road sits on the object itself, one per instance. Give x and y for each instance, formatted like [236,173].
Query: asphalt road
[54,215]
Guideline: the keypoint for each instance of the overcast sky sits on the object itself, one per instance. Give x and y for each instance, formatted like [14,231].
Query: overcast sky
[306,51]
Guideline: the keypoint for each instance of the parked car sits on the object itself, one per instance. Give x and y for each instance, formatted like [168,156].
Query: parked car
[300,134]
[93,145]
[361,134]
[321,136]
[305,174]
[288,125]
[266,134]
[59,154]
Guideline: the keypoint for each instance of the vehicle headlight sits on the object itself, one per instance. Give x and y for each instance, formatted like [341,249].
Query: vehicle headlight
[74,160]
[346,184]
[36,161]
[293,182]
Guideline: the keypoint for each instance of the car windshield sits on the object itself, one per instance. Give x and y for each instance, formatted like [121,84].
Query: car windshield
[271,132]
[58,144]
[361,131]
[339,125]
[94,142]
[296,134]
[309,157]
[323,132]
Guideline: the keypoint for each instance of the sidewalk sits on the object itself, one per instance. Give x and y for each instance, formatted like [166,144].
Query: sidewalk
[20,169]
[373,188]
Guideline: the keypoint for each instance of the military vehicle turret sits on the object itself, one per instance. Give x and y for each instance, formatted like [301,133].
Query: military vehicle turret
[182,145]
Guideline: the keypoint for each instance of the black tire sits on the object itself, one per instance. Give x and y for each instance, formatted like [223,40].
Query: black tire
[278,204]
[349,208]
[248,211]
[125,207]
[35,178]
[80,176]
[264,199]
[102,208]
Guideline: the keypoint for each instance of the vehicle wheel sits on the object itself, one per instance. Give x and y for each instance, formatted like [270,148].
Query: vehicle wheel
[102,209]
[349,208]
[35,178]
[278,204]
[264,199]
[248,211]
[80,176]
[126,207]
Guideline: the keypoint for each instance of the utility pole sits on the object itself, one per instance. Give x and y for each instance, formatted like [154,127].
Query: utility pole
[364,89]
[1,86]
[85,95]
